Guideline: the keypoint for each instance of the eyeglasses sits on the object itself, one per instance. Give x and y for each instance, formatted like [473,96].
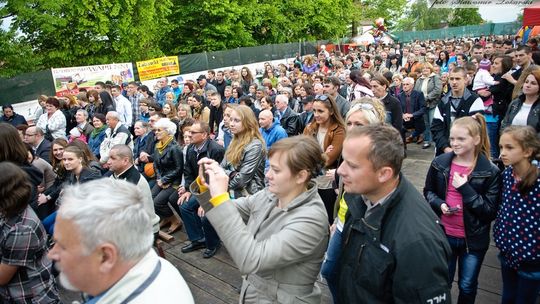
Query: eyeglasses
[151,109]
[321,97]
[159,130]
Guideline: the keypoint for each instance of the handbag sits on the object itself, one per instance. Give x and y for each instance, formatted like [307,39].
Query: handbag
[48,135]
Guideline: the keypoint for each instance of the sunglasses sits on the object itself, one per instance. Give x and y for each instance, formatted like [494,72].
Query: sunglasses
[321,97]
[362,106]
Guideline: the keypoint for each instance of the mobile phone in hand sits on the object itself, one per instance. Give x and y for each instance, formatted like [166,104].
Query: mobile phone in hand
[205,175]
[453,209]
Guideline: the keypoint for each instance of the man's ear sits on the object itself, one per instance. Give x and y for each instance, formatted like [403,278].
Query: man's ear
[108,254]
[384,174]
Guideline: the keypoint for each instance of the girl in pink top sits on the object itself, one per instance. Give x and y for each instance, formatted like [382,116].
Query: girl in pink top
[463,187]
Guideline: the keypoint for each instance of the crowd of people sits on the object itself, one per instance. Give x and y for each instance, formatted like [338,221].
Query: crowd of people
[296,173]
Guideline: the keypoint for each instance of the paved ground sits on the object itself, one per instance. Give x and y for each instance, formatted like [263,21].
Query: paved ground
[217,280]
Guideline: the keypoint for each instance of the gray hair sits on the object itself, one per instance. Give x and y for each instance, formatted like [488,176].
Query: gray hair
[39,131]
[109,211]
[85,113]
[113,114]
[166,124]
[408,80]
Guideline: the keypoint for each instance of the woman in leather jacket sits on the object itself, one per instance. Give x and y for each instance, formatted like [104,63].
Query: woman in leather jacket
[463,188]
[168,166]
[527,105]
[245,158]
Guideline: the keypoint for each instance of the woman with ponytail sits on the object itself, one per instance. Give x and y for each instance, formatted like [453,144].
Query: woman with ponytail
[517,230]
[462,187]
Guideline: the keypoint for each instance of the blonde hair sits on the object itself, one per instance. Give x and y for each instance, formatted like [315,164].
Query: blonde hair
[476,125]
[250,131]
[377,113]
[185,107]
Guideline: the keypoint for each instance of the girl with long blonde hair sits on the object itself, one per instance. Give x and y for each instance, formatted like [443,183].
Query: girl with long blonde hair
[245,158]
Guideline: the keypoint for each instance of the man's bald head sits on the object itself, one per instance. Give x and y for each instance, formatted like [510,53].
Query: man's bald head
[33,136]
[266,118]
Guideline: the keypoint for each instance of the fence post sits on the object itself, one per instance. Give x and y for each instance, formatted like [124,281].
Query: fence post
[206,57]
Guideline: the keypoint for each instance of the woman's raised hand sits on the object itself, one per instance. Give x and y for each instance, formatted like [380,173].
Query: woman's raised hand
[218,181]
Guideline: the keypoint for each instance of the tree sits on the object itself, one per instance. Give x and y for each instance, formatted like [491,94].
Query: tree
[68,33]
[465,16]
[420,17]
[16,57]
[209,25]
[390,10]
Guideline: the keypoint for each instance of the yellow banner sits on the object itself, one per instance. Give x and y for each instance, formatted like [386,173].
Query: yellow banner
[158,67]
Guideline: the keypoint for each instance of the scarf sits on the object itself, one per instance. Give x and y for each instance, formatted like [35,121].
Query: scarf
[160,146]
[97,131]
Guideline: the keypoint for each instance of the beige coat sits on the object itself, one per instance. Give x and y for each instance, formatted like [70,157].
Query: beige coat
[278,250]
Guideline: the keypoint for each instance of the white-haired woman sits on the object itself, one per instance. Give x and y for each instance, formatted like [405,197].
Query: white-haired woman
[363,111]
[168,165]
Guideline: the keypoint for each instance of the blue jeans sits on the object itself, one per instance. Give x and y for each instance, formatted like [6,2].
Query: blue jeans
[48,223]
[197,228]
[519,287]
[329,265]
[469,267]
[428,118]
[493,133]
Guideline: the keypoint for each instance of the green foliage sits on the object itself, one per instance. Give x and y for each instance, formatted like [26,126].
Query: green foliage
[420,17]
[465,16]
[209,25]
[68,33]
[369,10]
[15,56]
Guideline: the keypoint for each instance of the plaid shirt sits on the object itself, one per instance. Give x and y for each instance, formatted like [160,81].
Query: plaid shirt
[135,106]
[23,243]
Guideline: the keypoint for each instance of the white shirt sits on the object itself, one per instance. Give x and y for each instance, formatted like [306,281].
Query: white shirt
[123,107]
[521,117]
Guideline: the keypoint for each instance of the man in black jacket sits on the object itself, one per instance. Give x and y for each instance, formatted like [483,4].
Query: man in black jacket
[11,117]
[393,248]
[36,137]
[200,232]
[413,106]
[286,116]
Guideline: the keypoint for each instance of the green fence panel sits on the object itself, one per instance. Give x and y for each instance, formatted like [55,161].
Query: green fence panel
[507,28]
[26,87]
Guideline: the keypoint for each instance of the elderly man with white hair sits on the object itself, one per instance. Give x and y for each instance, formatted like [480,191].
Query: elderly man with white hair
[103,247]
[116,134]
[286,116]
[413,106]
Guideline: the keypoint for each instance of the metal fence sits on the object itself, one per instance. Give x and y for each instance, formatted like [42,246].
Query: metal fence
[30,85]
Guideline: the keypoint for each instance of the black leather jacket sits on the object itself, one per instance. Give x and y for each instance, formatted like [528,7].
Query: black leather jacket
[211,149]
[249,174]
[481,196]
[533,119]
[170,164]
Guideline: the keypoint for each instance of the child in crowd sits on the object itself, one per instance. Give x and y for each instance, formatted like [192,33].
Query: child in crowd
[517,230]
[462,187]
